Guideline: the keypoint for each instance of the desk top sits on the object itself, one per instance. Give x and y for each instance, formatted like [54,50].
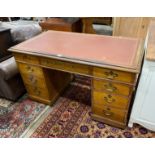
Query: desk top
[150,55]
[89,48]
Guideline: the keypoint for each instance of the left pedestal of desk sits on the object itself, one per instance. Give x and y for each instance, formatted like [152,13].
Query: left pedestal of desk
[42,84]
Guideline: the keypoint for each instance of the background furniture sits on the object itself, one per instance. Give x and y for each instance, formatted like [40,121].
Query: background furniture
[130,26]
[46,61]
[87,23]
[143,111]
[11,84]
[22,30]
[62,24]
[5,43]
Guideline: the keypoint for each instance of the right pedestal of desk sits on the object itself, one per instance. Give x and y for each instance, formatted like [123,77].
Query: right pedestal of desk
[112,92]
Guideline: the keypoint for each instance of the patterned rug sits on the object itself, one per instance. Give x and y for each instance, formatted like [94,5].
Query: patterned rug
[15,118]
[71,117]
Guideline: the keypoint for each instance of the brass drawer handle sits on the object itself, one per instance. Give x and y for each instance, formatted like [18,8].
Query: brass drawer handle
[109,99]
[111,74]
[29,69]
[32,79]
[109,87]
[36,91]
[107,112]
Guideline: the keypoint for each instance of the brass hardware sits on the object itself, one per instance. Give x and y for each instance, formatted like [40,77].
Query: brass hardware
[32,79]
[109,99]
[36,91]
[111,74]
[109,87]
[107,113]
[29,69]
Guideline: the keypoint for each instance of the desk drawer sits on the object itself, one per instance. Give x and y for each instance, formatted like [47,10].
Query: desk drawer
[66,66]
[114,75]
[112,87]
[38,92]
[26,58]
[110,113]
[31,79]
[29,69]
[103,99]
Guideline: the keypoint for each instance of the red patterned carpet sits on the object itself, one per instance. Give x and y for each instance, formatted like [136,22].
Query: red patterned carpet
[15,118]
[71,117]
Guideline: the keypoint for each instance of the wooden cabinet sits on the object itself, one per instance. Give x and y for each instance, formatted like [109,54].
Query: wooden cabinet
[88,22]
[143,111]
[62,24]
[131,26]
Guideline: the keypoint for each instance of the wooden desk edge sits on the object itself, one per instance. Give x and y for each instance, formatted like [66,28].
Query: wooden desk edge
[132,70]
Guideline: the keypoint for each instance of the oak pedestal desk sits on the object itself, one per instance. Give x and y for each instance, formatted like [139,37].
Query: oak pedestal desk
[47,61]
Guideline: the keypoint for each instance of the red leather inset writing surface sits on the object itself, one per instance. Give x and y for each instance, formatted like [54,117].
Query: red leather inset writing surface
[89,47]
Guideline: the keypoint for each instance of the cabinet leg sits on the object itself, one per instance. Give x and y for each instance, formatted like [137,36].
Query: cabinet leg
[130,124]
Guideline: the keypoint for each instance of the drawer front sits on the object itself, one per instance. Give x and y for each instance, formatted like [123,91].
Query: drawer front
[103,99]
[31,79]
[29,69]
[66,66]
[111,87]
[114,75]
[38,92]
[110,113]
[26,58]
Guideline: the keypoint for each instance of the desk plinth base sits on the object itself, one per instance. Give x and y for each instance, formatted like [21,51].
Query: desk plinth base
[41,100]
[109,121]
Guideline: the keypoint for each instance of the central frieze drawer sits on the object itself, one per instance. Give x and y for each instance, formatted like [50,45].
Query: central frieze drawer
[110,113]
[114,75]
[112,87]
[103,99]
[66,66]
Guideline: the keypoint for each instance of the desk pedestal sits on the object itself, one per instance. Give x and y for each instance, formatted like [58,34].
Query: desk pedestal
[42,84]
